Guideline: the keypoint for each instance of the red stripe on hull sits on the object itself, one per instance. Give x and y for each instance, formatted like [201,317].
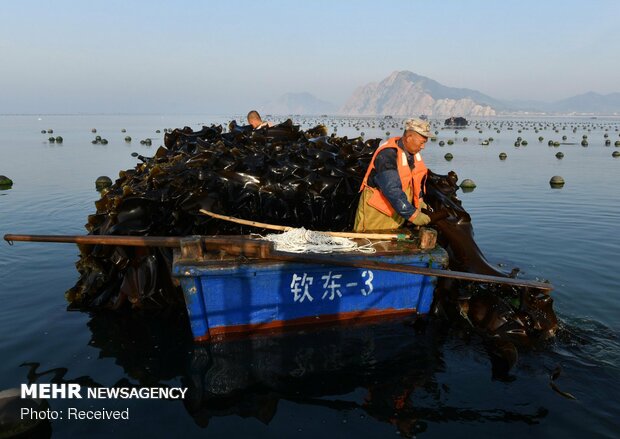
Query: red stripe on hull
[276,326]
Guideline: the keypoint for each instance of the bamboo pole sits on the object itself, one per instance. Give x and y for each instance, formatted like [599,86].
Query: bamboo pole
[353,235]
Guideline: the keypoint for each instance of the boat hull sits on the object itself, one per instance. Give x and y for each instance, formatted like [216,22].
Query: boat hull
[227,297]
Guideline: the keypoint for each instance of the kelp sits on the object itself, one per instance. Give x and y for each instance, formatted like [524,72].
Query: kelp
[279,175]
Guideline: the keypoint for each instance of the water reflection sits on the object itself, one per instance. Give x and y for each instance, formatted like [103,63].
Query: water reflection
[374,369]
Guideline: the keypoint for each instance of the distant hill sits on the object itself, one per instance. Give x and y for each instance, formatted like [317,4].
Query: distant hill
[404,93]
[299,103]
[588,103]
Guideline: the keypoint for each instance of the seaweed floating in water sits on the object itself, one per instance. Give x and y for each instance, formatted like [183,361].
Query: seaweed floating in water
[279,175]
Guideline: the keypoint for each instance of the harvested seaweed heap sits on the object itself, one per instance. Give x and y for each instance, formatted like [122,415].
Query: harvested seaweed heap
[278,175]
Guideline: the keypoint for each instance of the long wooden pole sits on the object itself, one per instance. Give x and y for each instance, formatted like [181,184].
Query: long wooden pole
[135,241]
[239,245]
[353,235]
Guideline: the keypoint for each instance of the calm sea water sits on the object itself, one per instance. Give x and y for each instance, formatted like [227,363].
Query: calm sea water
[360,382]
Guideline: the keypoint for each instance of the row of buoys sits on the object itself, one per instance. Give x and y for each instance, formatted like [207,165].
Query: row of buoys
[57,139]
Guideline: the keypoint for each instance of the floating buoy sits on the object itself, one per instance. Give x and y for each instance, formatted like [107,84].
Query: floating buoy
[51,139]
[556,144]
[157,131]
[50,131]
[13,423]
[502,156]
[104,141]
[485,143]
[123,130]
[615,154]
[524,142]
[556,181]
[103,182]
[59,139]
[607,142]
[465,139]
[43,132]
[448,156]
[617,143]
[541,138]
[584,142]
[559,155]
[450,142]
[127,139]
[94,130]
[5,181]
[98,138]
[441,143]
[467,183]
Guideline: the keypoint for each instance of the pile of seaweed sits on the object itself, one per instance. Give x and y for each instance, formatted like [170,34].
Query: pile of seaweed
[278,175]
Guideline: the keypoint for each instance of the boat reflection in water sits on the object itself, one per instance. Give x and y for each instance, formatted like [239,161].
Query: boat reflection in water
[372,370]
[325,368]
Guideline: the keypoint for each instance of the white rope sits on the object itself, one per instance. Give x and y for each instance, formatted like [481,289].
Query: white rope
[308,241]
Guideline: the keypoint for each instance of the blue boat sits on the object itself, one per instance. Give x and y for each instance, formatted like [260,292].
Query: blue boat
[233,296]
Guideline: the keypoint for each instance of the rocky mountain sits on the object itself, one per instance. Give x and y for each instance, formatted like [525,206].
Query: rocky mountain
[299,103]
[404,93]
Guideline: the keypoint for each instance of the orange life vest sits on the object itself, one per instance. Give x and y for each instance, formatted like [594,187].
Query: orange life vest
[408,177]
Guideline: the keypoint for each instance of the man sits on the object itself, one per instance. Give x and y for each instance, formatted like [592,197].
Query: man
[256,121]
[393,187]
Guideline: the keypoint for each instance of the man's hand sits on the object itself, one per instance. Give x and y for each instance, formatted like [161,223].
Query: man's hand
[419,219]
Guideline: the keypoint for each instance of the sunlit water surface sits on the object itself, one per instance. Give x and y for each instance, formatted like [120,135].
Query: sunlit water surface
[363,382]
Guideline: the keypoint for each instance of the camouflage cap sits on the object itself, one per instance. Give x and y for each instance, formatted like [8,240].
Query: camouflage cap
[419,126]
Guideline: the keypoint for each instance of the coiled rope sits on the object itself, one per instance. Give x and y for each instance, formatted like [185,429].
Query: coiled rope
[302,240]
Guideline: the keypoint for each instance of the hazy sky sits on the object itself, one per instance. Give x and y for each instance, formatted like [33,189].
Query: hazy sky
[219,57]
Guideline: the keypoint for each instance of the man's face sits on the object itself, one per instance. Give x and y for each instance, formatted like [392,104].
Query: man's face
[254,122]
[413,142]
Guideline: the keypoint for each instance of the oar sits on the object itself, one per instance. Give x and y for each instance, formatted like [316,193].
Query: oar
[253,248]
